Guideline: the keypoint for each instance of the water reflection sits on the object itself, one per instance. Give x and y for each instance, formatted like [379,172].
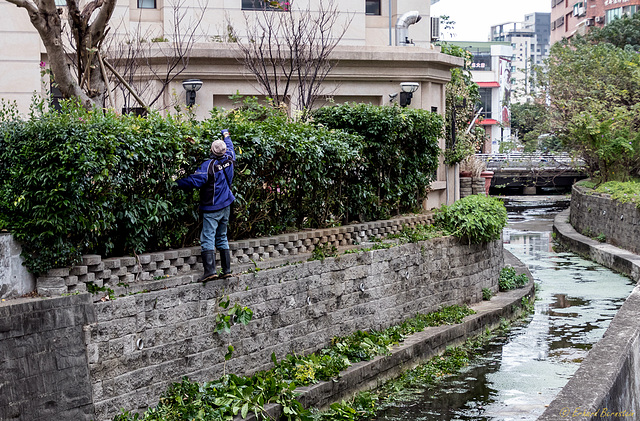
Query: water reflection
[520,373]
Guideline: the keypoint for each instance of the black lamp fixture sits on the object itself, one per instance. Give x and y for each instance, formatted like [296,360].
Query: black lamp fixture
[408,88]
[191,86]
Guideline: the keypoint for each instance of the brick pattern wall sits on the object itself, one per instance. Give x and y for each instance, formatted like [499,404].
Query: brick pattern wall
[595,214]
[143,342]
[44,374]
[151,266]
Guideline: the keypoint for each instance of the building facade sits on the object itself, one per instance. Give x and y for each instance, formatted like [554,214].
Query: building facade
[571,17]
[530,41]
[492,69]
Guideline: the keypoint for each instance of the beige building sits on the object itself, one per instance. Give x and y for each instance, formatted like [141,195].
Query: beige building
[376,54]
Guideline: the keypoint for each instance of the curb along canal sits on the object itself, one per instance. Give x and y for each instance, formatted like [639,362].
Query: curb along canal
[522,370]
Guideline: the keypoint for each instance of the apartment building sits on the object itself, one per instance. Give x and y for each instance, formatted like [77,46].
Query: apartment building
[530,40]
[569,17]
[491,69]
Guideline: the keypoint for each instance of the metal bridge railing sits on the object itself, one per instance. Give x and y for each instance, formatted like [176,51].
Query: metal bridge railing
[530,161]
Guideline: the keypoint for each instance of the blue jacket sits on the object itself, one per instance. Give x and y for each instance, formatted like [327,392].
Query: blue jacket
[214,178]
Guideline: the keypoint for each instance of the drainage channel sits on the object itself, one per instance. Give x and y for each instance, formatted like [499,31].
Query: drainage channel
[520,372]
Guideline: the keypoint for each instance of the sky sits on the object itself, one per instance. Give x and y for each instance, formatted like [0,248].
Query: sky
[474,18]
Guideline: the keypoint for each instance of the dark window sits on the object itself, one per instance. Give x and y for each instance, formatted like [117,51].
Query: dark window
[146,4]
[485,102]
[372,7]
[56,96]
[282,5]
[137,111]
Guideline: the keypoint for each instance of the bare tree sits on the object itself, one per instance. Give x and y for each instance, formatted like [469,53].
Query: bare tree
[148,62]
[288,51]
[78,78]
[76,48]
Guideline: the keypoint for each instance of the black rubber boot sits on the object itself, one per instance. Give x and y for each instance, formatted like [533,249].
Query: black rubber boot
[225,263]
[209,263]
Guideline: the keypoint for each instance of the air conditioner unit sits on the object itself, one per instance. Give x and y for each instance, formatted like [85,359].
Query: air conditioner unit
[590,22]
[435,29]
[599,19]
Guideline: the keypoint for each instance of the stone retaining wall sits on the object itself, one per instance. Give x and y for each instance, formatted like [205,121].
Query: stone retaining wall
[130,270]
[607,383]
[44,373]
[136,345]
[593,214]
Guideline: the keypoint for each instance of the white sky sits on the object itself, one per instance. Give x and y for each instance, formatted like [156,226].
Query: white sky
[474,18]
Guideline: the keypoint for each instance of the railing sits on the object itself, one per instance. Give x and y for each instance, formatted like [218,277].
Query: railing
[528,161]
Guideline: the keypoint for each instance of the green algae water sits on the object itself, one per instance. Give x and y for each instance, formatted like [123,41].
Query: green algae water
[520,372]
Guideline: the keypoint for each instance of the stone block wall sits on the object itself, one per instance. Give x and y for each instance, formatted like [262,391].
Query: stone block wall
[139,269]
[142,343]
[593,214]
[44,372]
[81,358]
[15,279]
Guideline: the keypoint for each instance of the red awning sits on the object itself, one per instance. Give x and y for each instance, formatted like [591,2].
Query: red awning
[488,84]
[488,122]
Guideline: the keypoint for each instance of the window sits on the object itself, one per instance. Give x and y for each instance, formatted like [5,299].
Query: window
[60,3]
[282,5]
[485,102]
[613,14]
[146,4]
[56,95]
[372,7]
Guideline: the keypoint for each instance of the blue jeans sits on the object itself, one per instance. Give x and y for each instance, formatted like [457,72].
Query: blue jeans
[214,230]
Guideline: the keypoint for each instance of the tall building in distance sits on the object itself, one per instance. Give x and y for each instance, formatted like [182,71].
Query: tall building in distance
[576,17]
[530,40]
[491,70]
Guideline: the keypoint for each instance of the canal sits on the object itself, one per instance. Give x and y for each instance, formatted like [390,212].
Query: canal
[521,371]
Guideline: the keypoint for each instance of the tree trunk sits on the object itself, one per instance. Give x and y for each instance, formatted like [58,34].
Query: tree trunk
[45,17]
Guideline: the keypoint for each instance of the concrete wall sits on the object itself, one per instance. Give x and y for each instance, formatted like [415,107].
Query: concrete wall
[15,279]
[136,345]
[606,385]
[593,214]
[21,50]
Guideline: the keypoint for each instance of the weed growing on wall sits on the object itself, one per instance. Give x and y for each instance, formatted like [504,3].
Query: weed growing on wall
[409,385]
[509,279]
[233,395]
[475,219]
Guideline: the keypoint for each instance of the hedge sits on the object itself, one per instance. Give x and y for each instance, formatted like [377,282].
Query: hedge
[75,182]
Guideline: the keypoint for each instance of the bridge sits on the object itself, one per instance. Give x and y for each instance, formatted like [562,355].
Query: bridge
[532,173]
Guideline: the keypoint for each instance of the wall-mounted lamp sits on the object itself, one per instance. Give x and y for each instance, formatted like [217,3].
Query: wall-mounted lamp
[191,86]
[408,88]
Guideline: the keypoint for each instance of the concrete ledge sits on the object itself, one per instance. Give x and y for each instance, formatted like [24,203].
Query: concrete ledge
[415,349]
[605,254]
[605,386]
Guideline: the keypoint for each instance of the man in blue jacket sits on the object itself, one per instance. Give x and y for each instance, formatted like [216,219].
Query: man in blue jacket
[214,178]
